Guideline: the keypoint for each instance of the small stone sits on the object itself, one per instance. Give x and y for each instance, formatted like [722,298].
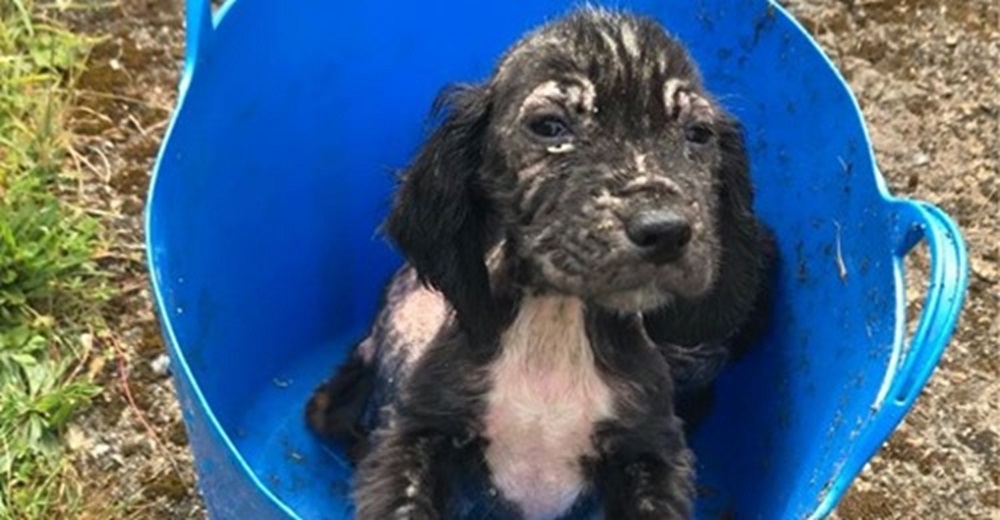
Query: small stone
[87,342]
[116,460]
[160,365]
[921,159]
[75,438]
[100,450]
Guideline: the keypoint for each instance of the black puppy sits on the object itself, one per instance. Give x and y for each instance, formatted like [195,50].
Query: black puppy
[581,247]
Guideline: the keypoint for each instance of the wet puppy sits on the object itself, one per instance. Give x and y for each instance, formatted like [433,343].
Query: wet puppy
[579,238]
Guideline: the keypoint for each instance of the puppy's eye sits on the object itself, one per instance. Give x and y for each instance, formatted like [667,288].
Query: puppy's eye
[549,127]
[698,133]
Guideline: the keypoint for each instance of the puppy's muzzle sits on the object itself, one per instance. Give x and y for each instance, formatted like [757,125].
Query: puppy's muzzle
[661,235]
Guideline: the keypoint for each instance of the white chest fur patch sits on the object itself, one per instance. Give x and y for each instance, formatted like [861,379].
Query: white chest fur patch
[545,399]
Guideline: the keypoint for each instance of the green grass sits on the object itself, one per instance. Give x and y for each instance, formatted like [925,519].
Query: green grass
[50,289]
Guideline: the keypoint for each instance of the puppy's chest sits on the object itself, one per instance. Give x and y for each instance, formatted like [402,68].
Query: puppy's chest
[545,399]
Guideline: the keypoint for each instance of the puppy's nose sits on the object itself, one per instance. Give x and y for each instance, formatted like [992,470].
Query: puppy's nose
[662,234]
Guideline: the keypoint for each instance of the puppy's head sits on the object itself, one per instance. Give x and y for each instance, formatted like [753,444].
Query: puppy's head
[594,155]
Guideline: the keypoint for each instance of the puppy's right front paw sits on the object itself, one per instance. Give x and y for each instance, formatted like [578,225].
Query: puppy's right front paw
[657,508]
[406,509]
[414,511]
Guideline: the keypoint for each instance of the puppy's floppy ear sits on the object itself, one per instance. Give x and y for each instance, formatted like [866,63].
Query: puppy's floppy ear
[740,293]
[441,217]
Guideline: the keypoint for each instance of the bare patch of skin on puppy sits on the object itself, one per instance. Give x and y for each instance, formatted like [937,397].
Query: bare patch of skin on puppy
[670,89]
[543,94]
[546,388]
[625,39]
[605,200]
[495,256]
[417,313]
[647,181]
[578,92]
[418,317]
[629,41]
[586,98]
[654,185]
[610,41]
[640,164]
[682,103]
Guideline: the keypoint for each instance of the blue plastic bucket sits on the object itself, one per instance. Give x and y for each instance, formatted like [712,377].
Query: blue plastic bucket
[277,168]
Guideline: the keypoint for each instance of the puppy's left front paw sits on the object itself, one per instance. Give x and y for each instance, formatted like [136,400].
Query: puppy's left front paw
[655,508]
[651,493]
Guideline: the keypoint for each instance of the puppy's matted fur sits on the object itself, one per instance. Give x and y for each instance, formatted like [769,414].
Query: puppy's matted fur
[581,249]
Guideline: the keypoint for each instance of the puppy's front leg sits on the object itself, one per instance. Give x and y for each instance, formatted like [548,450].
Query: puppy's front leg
[401,479]
[656,485]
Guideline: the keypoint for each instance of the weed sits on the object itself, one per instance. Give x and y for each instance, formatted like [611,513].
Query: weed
[50,289]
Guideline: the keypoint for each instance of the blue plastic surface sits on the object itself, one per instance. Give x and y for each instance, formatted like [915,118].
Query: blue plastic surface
[277,168]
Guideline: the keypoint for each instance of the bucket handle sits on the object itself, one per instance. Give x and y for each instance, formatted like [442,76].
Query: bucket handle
[198,30]
[913,364]
[949,278]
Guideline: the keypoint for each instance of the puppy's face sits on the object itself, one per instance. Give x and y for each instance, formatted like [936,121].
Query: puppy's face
[613,151]
[598,158]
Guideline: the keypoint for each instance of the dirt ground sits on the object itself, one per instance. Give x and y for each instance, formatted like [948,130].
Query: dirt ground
[925,72]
